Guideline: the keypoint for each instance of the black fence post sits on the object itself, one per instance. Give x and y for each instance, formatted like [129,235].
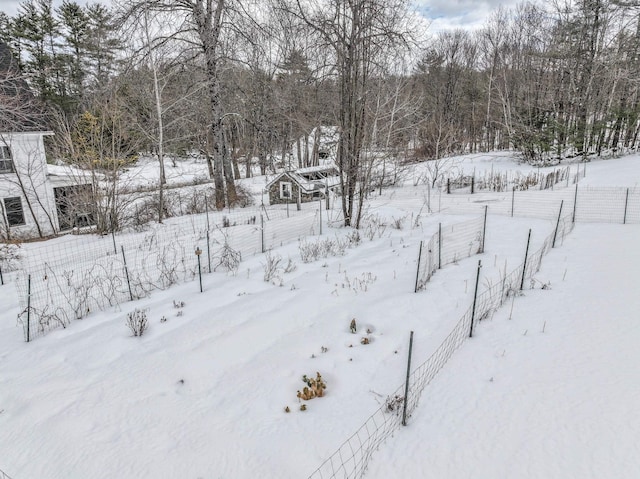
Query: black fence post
[513,199]
[575,204]
[406,384]
[475,298]
[320,213]
[206,208]
[484,228]
[448,185]
[415,290]
[198,253]
[126,272]
[473,183]
[555,233]
[626,203]
[524,265]
[1,277]
[113,237]
[439,245]
[262,232]
[28,307]
[208,252]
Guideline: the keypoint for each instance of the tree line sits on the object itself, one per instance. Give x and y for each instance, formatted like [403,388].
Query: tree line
[248,83]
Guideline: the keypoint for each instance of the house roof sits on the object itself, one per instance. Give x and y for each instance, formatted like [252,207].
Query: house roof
[20,110]
[330,180]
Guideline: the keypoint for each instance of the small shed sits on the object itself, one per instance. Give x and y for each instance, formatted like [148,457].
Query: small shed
[303,185]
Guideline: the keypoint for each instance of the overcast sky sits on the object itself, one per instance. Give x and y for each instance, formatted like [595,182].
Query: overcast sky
[451,14]
[444,14]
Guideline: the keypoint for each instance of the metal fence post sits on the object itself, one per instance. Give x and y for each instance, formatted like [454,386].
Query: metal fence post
[262,232]
[320,212]
[198,253]
[524,265]
[1,277]
[626,203]
[484,228]
[473,182]
[126,272]
[448,185]
[28,307]
[575,204]
[406,384]
[206,208]
[439,245]
[555,233]
[513,199]
[113,237]
[208,252]
[415,290]
[475,298]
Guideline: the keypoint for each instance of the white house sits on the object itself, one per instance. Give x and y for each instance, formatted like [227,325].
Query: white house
[30,205]
[27,203]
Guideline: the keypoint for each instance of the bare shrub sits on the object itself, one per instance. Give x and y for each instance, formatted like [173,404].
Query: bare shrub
[10,257]
[354,238]
[137,321]
[374,226]
[323,248]
[271,266]
[244,197]
[290,267]
[228,258]
[398,222]
[309,251]
[394,404]
[146,211]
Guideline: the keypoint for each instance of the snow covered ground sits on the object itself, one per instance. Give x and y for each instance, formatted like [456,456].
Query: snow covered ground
[202,394]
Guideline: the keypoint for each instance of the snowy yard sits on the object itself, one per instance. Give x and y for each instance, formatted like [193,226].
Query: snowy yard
[549,393]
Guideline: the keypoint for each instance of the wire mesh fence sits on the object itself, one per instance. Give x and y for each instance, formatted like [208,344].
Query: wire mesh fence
[67,282]
[508,180]
[448,245]
[588,204]
[351,459]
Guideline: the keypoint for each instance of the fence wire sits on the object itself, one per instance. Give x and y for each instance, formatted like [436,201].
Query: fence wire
[508,180]
[588,204]
[69,281]
[351,459]
[448,245]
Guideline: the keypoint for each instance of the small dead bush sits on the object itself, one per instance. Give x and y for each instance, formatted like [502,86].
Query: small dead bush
[137,321]
[394,404]
[271,267]
[314,387]
[10,257]
[354,238]
[244,197]
[290,267]
[374,226]
[228,258]
[397,223]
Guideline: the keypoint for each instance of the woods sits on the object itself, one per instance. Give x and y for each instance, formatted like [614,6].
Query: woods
[251,86]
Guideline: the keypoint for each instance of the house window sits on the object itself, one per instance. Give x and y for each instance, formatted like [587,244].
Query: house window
[6,163]
[285,190]
[13,210]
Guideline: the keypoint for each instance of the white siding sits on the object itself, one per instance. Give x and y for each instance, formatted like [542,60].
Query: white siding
[29,182]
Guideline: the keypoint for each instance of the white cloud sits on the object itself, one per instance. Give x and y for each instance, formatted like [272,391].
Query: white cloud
[451,14]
